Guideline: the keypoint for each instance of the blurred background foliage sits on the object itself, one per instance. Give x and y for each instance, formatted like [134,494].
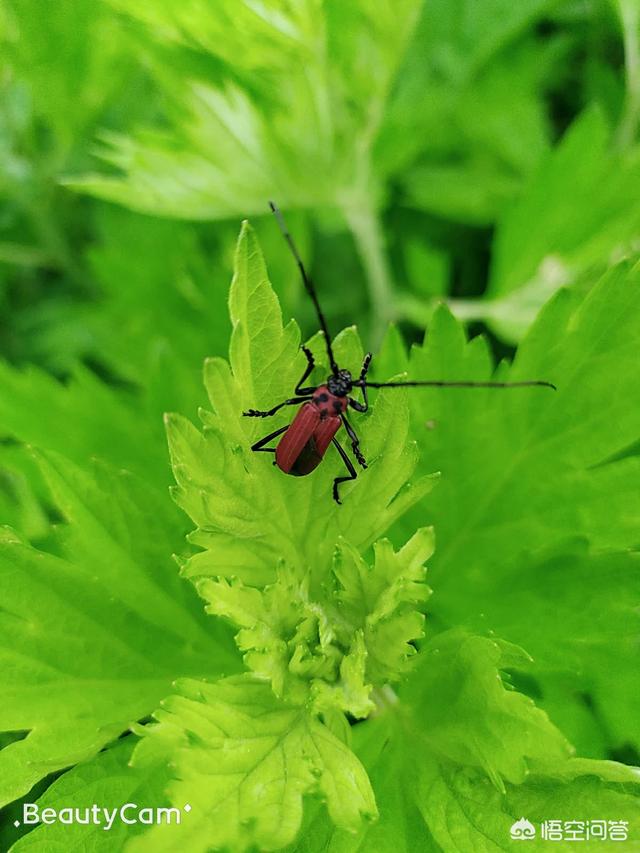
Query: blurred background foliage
[429,151]
[483,154]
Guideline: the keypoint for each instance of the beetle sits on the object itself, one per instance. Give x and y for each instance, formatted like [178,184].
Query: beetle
[323,408]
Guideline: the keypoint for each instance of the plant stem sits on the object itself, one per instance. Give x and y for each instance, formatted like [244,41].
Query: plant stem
[629,11]
[364,222]
[383,698]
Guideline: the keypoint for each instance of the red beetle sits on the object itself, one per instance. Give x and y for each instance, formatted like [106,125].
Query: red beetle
[323,411]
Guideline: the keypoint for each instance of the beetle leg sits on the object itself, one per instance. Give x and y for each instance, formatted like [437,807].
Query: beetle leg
[259,446]
[365,366]
[350,469]
[362,407]
[355,441]
[307,372]
[358,406]
[255,413]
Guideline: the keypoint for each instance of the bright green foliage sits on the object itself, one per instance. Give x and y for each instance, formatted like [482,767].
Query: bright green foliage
[464,756]
[319,642]
[20,488]
[56,90]
[355,636]
[70,87]
[542,245]
[108,780]
[324,629]
[354,93]
[303,631]
[243,761]
[282,92]
[539,525]
[93,638]
[483,154]
[151,271]
[381,601]
[509,738]
[464,812]
[89,405]
[146,273]
[467,131]
[448,107]
[227,489]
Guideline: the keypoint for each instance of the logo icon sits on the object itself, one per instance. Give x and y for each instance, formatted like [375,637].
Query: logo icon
[522,830]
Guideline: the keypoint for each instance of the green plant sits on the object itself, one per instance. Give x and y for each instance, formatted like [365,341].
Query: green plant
[368,96]
[447,652]
[447,752]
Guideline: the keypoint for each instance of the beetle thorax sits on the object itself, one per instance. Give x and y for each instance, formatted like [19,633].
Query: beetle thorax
[329,405]
[340,384]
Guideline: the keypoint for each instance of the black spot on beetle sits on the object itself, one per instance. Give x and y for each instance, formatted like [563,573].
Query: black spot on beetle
[337,406]
[322,398]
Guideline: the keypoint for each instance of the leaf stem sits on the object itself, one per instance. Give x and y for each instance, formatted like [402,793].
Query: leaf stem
[383,698]
[629,12]
[364,223]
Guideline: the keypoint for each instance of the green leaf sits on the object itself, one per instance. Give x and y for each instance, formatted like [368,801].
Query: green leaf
[243,761]
[460,757]
[226,488]
[269,539]
[317,643]
[170,314]
[109,781]
[388,759]
[383,601]
[576,216]
[21,494]
[93,639]
[531,470]
[465,812]
[69,88]
[591,639]
[284,95]
[467,122]
[475,721]
[442,117]
[82,418]
[355,635]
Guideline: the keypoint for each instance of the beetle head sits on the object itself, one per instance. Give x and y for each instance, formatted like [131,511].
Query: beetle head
[340,384]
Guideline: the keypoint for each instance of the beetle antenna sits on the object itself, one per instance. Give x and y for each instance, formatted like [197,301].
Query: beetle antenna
[436,383]
[307,283]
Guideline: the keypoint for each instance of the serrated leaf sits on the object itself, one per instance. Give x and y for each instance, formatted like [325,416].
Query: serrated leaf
[467,121]
[401,828]
[262,530]
[227,489]
[384,601]
[92,640]
[465,812]
[88,405]
[243,761]
[470,718]
[532,470]
[424,755]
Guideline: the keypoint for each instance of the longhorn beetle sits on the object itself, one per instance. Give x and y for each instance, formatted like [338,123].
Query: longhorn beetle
[323,411]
